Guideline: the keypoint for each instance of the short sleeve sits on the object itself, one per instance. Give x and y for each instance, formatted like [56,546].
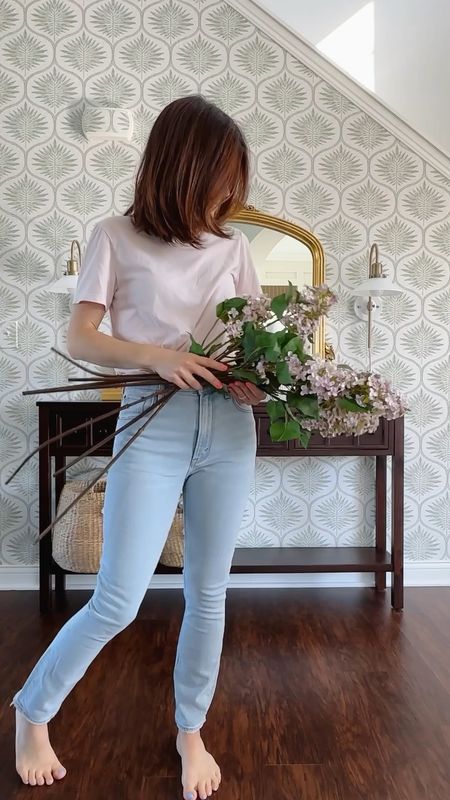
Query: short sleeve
[97,280]
[247,279]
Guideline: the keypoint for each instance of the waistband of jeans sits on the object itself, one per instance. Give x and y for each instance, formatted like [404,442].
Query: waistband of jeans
[150,389]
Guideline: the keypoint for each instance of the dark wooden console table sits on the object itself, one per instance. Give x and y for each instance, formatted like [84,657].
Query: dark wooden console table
[57,416]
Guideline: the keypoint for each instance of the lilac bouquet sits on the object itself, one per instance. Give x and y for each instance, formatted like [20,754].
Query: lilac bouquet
[307,393]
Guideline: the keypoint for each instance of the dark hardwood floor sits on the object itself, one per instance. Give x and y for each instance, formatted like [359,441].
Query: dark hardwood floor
[323,694]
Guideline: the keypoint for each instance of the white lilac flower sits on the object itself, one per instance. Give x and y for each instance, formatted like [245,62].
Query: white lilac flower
[336,422]
[303,315]
[260,368]
[235,329]
[257,309]
[295,366]
[328,379]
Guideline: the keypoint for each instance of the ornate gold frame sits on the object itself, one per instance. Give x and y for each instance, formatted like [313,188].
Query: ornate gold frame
[254,217]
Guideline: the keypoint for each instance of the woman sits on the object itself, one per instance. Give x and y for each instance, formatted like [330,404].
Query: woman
[160,270]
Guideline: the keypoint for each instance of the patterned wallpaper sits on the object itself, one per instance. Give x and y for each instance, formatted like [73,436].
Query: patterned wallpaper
[318,160]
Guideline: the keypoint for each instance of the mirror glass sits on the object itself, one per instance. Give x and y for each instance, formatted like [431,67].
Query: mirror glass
[278,258]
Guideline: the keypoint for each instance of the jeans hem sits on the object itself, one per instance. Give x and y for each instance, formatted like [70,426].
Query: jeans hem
[190,730]
[18,706]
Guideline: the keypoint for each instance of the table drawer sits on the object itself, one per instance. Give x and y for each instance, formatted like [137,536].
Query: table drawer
[86,436]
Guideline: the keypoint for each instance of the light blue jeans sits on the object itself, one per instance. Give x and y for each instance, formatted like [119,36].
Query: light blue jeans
[201,444]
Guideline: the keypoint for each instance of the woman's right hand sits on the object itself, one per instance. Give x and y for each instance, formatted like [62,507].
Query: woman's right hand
[180,368]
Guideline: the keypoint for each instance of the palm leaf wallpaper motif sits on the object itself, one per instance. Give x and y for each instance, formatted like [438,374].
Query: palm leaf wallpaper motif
[259,129]
[26,124]
[83,54]
[26,197]
[226,24]
[440,238]
[285,95]
[141,56]
[318,160]
[162,91]
[366,133]
[397,167]
[199,57]
[25,268]
[9,232]
[312,201]
[230,93]
[55,90]
[170,20]
[369,201]
[9,89]
[312,130]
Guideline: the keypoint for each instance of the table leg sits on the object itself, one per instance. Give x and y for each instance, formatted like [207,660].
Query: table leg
[60,576]
[45,576]
[397,516]
[380,516]
[45,510]
[60,589]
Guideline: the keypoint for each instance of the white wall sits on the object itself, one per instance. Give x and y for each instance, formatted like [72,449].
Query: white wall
[411,58]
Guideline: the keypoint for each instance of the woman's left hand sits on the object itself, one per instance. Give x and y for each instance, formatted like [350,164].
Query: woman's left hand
[246,392]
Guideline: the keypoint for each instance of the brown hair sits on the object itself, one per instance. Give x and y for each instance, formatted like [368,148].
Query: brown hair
[194,173]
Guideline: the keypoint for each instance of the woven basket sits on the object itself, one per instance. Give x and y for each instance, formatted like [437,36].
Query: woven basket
[173,550]
[77,539]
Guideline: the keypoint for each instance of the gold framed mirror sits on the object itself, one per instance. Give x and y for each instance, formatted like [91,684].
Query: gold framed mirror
[282,252]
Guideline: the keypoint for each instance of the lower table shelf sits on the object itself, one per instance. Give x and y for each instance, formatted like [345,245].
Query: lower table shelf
[304,559]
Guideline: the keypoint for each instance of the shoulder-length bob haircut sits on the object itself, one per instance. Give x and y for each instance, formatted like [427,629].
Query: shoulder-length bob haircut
[194,173]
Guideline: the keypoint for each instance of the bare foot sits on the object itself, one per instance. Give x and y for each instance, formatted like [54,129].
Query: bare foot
[36,761]
[200,774]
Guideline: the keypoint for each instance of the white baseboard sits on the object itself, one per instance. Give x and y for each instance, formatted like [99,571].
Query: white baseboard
[417,573]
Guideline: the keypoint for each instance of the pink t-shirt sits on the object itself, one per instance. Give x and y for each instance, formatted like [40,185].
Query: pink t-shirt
[157,292]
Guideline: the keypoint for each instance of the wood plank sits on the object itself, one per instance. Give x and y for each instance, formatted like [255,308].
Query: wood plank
[307,559]
[323,694]
[304,559]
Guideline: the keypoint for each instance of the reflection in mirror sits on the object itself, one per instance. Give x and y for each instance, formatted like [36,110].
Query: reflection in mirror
[283,252]
[278,258]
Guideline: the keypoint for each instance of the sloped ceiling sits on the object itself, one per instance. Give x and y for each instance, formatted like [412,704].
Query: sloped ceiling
[398,50]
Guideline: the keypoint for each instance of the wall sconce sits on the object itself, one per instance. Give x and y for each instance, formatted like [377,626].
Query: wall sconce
[69,279]
[376,285]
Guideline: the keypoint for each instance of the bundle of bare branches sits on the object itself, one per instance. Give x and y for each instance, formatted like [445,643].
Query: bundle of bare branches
[100,381]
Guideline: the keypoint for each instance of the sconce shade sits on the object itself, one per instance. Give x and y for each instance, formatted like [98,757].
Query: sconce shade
[376,287]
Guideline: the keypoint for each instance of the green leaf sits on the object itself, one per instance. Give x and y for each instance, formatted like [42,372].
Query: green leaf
[265,339]
[304,437]
[292,292]
[196,347]
[271,345]
[275,409]
[257,342]
[307,404]
[283,374]
[350,405]
[294,345]
[279,305]
[243,374]
[249,340]
[283,431]
[223,308]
